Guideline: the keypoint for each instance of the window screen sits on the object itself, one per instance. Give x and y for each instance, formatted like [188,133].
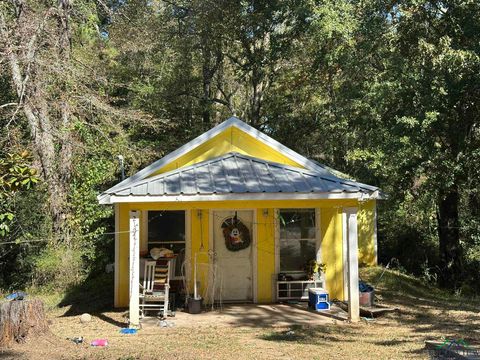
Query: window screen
[297,239]
[167,229]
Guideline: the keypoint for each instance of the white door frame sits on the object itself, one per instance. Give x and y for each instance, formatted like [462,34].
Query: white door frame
[211,243]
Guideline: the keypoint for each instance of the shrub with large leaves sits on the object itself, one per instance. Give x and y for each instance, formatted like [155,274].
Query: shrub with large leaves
[16,174]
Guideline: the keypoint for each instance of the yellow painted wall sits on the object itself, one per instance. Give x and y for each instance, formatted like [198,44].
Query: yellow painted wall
[265,255]
[366,233]
[242,204]
[199,245]
[230,140]
[330,227]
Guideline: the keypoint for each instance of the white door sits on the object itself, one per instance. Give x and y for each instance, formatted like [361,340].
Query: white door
[234,280]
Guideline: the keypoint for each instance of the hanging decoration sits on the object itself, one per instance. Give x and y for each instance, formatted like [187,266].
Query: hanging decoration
[236,234]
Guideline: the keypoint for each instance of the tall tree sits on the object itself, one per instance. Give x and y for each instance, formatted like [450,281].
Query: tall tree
[36,41]
[52,50]
[422,118]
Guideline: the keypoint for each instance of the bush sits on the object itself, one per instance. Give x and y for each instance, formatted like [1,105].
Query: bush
[58,266]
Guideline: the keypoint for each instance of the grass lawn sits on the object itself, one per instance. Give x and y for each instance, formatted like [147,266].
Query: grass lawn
[426,313]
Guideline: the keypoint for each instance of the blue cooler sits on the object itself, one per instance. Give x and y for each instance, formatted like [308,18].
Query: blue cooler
[318,299]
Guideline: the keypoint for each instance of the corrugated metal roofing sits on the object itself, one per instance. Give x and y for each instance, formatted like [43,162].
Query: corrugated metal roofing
[237,173]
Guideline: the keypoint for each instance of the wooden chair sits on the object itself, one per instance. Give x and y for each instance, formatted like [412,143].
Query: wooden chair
[155,291]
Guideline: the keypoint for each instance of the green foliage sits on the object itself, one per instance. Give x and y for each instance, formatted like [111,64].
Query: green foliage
[91,219]
[385,92]
[16,174]
[57,267]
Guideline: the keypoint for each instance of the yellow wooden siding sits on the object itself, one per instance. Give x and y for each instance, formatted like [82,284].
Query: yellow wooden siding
[199,245]
[331,227]
[230,140]
[265,255]
[331,239]
[366,233]
[244,204]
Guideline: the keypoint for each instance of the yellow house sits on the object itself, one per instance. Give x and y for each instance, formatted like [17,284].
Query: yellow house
[244,215]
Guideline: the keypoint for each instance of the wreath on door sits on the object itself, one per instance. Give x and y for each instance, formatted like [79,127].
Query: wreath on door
[236,234]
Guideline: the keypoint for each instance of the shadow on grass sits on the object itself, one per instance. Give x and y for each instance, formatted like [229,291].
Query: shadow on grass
[389,342]
[10,354]
[426,309]
[427,317]
[94,296]
[309,335]
[394,283]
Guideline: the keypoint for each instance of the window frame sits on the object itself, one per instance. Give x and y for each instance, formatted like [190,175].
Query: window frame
[318,239]
[185,242]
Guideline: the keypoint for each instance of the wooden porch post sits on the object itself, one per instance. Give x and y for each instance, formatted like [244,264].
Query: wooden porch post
[352,263]
[134,273]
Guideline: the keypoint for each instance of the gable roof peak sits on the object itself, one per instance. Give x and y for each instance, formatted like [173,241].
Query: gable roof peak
[233,121]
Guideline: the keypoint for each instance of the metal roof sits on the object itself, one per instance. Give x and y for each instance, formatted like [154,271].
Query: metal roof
[234,173]
[231,122]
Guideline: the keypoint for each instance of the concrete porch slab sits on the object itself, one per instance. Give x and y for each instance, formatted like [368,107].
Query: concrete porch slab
[244,315]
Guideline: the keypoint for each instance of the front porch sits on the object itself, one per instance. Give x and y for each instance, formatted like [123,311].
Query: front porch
[251,274]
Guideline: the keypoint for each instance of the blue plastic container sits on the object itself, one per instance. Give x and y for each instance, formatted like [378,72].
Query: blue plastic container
[318,299]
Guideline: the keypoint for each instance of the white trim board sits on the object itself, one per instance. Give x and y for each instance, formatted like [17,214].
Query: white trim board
[243,196]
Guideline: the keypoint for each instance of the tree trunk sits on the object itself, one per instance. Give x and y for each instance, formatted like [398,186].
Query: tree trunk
[20,320]
[52,137]
[451,263]
[259,84]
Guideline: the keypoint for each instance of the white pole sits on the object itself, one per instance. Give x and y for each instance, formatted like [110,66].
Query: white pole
[352,258]
[134,261]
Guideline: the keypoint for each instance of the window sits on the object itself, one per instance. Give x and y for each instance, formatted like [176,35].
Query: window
[298,244]
[167,229]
